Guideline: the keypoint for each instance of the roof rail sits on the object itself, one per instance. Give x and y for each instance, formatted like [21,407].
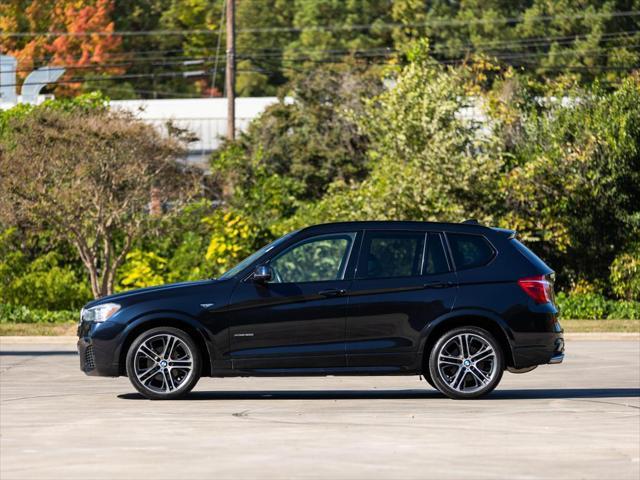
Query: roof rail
[472,221]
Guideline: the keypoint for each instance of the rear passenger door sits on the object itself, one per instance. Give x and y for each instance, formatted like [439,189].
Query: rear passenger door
[403,281]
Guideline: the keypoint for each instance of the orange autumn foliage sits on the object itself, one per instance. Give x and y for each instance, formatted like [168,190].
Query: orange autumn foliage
[81,55]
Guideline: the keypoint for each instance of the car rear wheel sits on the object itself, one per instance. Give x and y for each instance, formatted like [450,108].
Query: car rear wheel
[466,362]
[163,363]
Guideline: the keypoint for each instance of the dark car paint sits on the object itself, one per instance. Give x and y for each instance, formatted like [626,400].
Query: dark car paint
[349,326]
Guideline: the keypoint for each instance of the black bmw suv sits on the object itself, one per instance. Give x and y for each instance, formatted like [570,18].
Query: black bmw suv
[455,303]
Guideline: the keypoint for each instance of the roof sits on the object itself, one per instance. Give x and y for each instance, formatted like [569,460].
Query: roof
[401,224]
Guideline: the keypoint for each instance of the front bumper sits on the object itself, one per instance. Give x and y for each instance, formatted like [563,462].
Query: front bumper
[98,349]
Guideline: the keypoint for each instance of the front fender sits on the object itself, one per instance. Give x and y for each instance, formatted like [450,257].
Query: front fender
[164,317]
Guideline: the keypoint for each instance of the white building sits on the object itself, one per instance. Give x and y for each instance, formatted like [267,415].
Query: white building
[204,117]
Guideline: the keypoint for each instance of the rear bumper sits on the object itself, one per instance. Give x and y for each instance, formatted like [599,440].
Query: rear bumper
[550,351]
[558,358]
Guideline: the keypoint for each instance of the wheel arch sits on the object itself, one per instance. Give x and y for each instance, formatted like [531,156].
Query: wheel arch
[483,319]
[169,319]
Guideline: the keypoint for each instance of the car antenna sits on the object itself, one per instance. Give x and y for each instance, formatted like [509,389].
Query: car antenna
[472,221]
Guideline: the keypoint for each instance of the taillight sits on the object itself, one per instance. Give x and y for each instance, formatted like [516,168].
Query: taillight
[537,287]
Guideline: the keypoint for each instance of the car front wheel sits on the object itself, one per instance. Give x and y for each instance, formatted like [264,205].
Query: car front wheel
[163,363]
[466,363]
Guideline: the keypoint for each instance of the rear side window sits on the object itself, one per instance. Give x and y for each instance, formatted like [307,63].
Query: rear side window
[435,260]
[469,251]
[391,254]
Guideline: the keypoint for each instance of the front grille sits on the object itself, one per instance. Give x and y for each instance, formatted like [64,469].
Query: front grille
[89,358]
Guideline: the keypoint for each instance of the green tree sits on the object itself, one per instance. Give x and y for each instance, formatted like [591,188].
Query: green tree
[332,28]
[575,187]
[262,38]
[296,149]
[420,140]
[545,38]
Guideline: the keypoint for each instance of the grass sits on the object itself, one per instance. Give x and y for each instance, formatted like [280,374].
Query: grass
[570,326]
[608,325]
[49,329]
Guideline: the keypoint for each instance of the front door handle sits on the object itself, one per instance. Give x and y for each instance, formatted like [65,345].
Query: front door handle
[438,285]
[332,292]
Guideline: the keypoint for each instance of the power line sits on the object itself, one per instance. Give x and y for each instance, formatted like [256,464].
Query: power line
[335,56]
[329,28]
[370,54]
[215,67]
[154,92]
[301,70]
[120,77]
[150,56]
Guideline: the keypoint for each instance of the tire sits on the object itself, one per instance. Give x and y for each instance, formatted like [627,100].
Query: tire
[427,376]
[163,363]
[469,373]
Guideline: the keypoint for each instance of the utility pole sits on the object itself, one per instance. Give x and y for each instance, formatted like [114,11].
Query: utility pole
[230,72]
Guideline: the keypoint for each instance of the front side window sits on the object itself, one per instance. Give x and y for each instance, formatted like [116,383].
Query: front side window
[391,254]
[255,255]
[469,251]
[316,259]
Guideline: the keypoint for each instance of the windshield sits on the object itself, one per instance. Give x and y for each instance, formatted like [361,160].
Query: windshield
[254,256]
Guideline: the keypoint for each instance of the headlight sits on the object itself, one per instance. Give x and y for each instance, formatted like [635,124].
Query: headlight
[99,313]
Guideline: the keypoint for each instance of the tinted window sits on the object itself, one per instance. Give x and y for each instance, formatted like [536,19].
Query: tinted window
[469,250]
[255,255]
[313,260]
[529,255]
[391,254]
[435,261]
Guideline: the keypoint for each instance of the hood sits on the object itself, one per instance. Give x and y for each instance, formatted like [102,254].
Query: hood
[169,287]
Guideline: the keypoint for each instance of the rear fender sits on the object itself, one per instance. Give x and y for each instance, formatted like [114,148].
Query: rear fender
[458,318]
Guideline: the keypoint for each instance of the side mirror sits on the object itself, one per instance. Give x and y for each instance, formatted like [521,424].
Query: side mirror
[262,274]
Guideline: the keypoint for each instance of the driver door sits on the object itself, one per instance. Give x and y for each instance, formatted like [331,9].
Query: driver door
[296,320]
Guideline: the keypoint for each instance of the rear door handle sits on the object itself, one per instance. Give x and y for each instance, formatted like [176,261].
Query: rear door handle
[438,284]
[332,292]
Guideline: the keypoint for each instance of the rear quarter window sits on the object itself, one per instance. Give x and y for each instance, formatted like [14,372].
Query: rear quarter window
[470,251]
[530,256]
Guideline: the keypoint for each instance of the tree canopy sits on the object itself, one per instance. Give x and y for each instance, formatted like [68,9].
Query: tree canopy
[86,173]
[145,47]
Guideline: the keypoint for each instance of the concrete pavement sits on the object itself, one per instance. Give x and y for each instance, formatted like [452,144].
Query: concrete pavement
[580,419]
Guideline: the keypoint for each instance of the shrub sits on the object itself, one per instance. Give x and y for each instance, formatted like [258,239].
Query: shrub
[583,306]
[625,275]
[592,306]
[22,314]
[624,309]
[45,282]
[233,238]
[142,269]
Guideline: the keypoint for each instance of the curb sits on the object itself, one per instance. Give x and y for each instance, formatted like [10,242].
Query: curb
[594,336]
[35,339]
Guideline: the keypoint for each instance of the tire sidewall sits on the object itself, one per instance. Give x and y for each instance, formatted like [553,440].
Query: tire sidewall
[435,374]
[195,353]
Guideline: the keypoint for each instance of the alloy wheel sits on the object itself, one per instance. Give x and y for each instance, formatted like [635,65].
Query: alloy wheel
[163,363]
[467,363]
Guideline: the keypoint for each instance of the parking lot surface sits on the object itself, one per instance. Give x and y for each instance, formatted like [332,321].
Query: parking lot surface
[580,419]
